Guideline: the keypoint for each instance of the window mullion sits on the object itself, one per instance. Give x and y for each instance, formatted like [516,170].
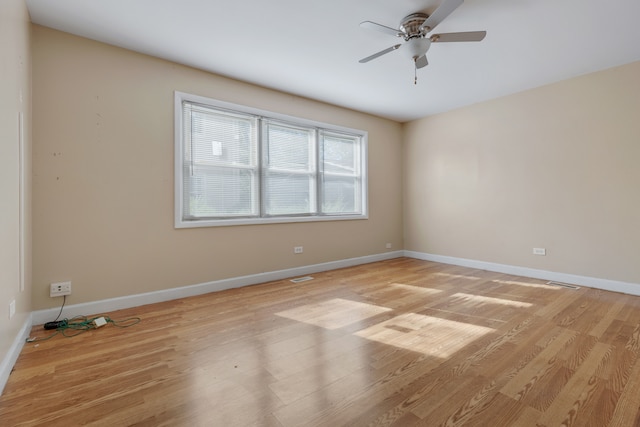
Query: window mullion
[319,172]
[262,140]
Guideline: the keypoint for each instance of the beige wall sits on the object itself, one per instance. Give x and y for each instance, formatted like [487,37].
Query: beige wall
[556,167]
[103,178]
[553,167]
[15,64]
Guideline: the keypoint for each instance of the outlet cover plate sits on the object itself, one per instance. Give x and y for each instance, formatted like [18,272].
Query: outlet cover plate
[60,289]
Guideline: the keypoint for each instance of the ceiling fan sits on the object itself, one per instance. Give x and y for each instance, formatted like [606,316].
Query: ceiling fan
[415,29]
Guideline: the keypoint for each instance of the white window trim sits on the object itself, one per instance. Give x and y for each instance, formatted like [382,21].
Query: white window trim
[179,97]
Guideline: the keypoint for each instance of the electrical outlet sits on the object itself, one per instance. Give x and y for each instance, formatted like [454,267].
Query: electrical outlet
[388,245]
[539,251]
[297,249]
[12,309]
[60,289]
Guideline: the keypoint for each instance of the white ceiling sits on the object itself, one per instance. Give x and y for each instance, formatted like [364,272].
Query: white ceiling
[311,48]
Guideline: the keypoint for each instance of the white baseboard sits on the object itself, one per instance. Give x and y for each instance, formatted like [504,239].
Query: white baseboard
[41,316]
[590,282]
[6,364]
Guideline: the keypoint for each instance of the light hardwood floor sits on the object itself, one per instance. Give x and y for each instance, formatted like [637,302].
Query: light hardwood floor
[401,342]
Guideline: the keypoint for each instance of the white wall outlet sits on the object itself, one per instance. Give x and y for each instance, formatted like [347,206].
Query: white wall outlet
[12,309]
[388,245]
[539,251]
[297,249]
[60,289]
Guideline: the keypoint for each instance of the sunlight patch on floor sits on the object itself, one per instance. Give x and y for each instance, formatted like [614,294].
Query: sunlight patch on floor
[457,276]
[398,295]
[429,335]
[479,299]
[333,314]
[527,284]
[415,289]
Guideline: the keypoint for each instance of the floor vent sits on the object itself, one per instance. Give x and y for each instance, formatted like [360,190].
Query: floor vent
[562,285]
[301,279]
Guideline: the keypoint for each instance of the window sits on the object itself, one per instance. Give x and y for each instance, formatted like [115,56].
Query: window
[238,165]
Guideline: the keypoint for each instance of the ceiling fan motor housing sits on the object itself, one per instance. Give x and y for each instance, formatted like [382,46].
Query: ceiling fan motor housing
[410,25]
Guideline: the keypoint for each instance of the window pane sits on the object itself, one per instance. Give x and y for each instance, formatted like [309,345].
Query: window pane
[288,147]
[218,138]
[340,194]
[289,170]
[221,192]
[339,154]
[341,173]
[288,194]
[220,163]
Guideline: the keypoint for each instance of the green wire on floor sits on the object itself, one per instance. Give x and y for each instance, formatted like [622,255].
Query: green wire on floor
[79,324]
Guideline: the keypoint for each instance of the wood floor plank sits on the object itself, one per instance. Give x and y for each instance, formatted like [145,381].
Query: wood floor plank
[499,411]
[605,321]
[599,410]
[626,408]
[455,402]
[528,418]
[558,304]
[402,342]
[569,402]
[541,365]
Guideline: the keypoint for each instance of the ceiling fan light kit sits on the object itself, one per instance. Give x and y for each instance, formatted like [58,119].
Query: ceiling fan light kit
[416,47]
[415,29]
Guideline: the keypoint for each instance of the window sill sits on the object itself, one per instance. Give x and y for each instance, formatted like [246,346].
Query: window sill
[256,221]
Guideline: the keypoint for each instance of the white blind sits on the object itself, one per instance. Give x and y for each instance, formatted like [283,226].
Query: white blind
[220,163]
[341,174]
[289,169]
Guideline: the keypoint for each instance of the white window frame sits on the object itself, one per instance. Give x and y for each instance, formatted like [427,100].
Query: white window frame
[181,222]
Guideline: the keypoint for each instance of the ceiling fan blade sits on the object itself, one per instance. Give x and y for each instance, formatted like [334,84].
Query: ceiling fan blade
[382,52]
[468,36]
[382,28]
[422,62]
[445,9]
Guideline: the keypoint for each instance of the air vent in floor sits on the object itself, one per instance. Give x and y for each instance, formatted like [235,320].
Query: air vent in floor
[301,279]
[562,285]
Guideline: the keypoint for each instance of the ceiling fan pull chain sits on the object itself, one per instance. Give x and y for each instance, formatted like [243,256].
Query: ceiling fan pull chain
[415,72]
